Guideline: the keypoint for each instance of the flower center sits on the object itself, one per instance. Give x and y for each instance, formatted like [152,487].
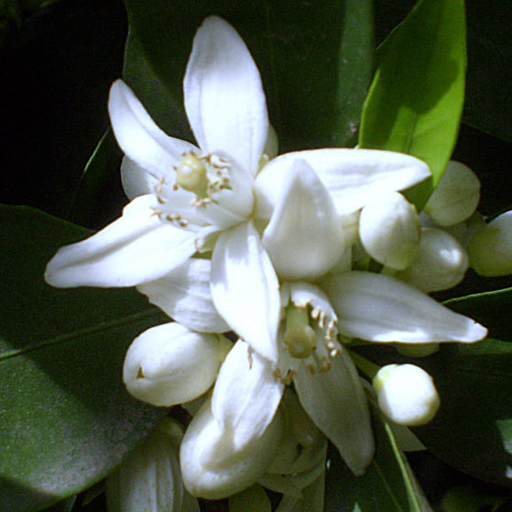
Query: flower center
[299,337]
[203,175]
[191,175]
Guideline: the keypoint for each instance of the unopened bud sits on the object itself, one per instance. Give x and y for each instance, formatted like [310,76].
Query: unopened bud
[456,197]
[170,364]
[390,231]
[441,262]
[490,248]
[406,394]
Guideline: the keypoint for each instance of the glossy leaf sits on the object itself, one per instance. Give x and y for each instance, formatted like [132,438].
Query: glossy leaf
[65,418]
[489,74]
[388,484]
[473,429]
[101,169]
[315,62]
[491,309]
[415,101]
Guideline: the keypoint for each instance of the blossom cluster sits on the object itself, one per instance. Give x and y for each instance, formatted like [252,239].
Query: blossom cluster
[296,255]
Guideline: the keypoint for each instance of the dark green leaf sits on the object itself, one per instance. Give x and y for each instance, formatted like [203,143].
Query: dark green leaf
[473,429]
[101,169]
[415,101]
[65,418]
[491,309]
[315,62]
[388,485]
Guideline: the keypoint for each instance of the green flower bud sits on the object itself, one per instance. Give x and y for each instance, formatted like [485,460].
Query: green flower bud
[456,197]
[490,248]
[170,364]
[406,394]
[441,262]
[390,231]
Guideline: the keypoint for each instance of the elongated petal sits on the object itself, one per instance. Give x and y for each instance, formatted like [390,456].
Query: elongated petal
[246,395]
[207,473]
[245,289]
[353,177]
[224,97]
[149,478]
[139,137]
[380,308]
[304,238]
[185,295]
[336,402]
[136,248]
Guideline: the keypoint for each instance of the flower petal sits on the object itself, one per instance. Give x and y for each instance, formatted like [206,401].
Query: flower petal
[353,177]
[224,97]
[245,288]
[170,364]
[380,308]
[185,295]
[206,471]
[136,248]
[136,181]
[149,477]
[246,395]
[139,137]
[336,402]
[304,238]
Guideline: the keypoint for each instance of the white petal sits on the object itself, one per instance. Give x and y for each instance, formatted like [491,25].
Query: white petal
[375,307]
[185,295]
[139,137]
[224,97]
[202,450]
[353,177]
[149,478]
[136,248]
[246,395]
[336,402]
[170,364]
[136,181]
[304,238]
[245,288]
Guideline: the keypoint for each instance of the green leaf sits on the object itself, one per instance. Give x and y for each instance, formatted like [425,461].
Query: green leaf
[65,418]
[491,309]
[388,484]
[101,169]
[415,101]
[315,62]
[489,74]
[473,429]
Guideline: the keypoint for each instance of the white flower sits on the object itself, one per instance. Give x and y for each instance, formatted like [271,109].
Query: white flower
[170,364]
[149,478]
[184,196]
[441,262]
[390,230]
[406,394]
[456,196]
[490,247]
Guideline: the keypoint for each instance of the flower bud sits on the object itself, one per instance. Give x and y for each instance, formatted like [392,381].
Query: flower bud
[149,478]
[440,264]
[210,466]
[456,197]
[406,394]
[490,248]
[390,231]
[170,364]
